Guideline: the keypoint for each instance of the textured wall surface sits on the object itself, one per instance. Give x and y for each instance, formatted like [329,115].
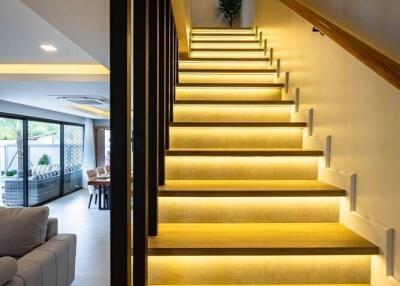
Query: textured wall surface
[351,102]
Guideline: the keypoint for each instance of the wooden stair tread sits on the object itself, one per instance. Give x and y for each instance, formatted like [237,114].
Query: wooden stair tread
[255,41]
[227,49]
[236,102]
[244,152]
[238,124]
[227,34]
[258,239]
[272,285]
[232,85]
[249,188]
[236,71]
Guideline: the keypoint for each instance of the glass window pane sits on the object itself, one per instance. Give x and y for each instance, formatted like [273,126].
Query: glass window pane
[44,161]
[73,157]
[11,162]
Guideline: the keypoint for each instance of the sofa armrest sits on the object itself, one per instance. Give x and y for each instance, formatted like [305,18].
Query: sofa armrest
[8,269]
[52,228]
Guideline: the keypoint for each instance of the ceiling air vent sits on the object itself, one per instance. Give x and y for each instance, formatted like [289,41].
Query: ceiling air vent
[83,99]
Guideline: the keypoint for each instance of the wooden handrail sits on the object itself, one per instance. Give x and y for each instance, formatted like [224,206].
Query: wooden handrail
[377,61]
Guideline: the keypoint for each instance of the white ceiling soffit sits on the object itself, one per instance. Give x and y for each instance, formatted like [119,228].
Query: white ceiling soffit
[22,32]
[85,22]
[57,96]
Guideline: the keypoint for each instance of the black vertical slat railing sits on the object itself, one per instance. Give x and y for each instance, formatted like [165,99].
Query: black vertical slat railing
[163,78]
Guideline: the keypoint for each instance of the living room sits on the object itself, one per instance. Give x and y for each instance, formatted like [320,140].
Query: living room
[55,172]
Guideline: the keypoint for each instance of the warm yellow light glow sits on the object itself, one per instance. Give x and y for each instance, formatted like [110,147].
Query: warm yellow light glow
[53,69]
[92,110]
[260,77]
[224,38]
[221,31]
[241,168]
[226,93]
[259,270]
[235,137]
[227,54]
[226,45]
[204,64]
[248,209]
[232,113]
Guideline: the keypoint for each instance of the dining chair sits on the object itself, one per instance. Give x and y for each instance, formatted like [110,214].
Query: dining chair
[107,168]
[92,174]
[100,171]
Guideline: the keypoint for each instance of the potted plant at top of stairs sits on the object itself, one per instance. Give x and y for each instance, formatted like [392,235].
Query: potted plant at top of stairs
[229,9]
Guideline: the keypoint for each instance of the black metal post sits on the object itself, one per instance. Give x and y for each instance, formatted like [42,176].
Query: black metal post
[120,98]
[162,93]
[153,117]
[25,162]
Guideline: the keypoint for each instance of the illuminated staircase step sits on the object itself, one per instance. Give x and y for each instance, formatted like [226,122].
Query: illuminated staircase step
[224,64]
[223,71]
[258,209]
[253,152]
[228,54]
[221,41]
[222,59]
[236,137]
[220,76]
[234,102]
[249,188]
[225,49]
[328,270]
[258,239]
[238,124]
[213,37]
[231,85]
[223,34]
[279,285]
[221,29]
[257,113]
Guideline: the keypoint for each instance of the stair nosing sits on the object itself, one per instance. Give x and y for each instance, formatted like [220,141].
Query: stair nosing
[243,153]
[163,192]
[196,59]
[239,124]
[261,251]
[235,102]
[239,71]
[228,50]
[228,85]
[255,41]
[233,34]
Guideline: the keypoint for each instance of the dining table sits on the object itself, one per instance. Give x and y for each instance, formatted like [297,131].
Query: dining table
[102,183]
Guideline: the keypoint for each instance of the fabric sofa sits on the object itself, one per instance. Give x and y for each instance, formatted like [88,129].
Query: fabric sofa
[51,263]
[44,184]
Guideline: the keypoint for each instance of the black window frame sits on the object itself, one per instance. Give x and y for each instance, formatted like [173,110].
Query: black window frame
[25,119]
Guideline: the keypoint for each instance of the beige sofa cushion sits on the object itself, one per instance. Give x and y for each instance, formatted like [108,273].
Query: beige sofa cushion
[22,229]
[8,269]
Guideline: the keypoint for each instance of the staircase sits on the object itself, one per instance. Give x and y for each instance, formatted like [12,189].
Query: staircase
[242,204]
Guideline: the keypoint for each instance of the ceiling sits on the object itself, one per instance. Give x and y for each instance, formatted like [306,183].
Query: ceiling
[78,29]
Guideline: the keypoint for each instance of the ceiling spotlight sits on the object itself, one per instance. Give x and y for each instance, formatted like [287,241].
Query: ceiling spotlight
[48,48]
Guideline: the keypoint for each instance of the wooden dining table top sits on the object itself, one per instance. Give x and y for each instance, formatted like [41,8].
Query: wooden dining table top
[99,181]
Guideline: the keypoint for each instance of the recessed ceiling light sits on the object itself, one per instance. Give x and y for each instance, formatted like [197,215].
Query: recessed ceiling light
[49,48]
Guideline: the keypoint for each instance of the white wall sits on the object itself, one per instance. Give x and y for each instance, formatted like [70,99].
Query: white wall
[351,102]
[375,22]
[205,14]
[89,153]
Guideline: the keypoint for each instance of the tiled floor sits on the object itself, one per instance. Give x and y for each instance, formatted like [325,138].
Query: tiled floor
[92,228]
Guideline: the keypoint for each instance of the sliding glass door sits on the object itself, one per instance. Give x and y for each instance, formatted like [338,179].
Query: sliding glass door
[44,176]
[73,158]
[11,162]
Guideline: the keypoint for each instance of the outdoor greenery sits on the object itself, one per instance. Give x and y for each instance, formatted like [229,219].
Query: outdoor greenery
[229,9]
[44,160]
[11,173]
[10,129]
